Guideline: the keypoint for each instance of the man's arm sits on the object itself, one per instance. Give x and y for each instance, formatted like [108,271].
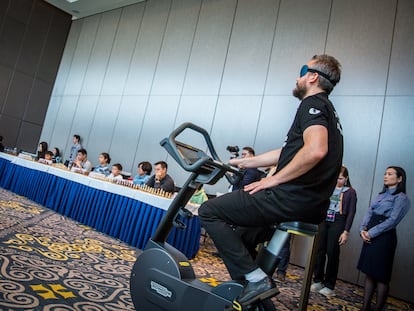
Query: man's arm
[314,149]
[266,159]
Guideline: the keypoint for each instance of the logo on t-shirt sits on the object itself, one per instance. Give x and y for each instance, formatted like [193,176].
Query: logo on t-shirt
[314,111]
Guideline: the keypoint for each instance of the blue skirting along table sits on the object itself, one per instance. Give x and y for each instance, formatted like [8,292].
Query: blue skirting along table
[121,212]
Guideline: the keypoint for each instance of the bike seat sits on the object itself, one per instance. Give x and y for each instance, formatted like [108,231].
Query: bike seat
[299,228]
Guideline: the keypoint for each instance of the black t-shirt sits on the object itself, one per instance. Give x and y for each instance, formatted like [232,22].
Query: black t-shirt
[308,195]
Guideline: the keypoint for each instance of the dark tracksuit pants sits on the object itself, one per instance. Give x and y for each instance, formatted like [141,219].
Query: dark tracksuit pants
[328,248]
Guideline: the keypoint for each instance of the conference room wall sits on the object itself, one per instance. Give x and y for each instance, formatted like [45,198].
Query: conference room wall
[32,37]
[128,77]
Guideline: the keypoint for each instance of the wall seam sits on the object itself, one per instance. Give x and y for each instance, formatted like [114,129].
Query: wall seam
[187,65]
[83,80]
[152,82]
[54,84]
[128,74]
[224,67]
[267,76]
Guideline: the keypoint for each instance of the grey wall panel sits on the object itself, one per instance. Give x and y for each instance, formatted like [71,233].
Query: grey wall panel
[363,53]
[6,74]
[147,50]
[28,134]
[38,102]
[360,141]
[198,110]
[299,35]
[276,117]
[105,118]
[18,95]
[396,148]
[235,123]
[360,151]
[250,47]
[34,39]
[401,79]
[11,36]
[209,51]
[123,48]
[3,9]
[25,33]
[50,120]
[175,50]
[80,61]
[100,53]
[55,42]
[20,10]
[127,131]
[67,58]
[62,135]
[158,123]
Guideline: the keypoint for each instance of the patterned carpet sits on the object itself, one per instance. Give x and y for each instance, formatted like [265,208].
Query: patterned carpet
[49,262]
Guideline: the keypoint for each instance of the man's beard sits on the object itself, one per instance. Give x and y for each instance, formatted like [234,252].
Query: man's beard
[299,91]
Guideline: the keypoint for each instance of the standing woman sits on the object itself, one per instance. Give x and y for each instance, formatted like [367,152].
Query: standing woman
[379,235]
[333,234]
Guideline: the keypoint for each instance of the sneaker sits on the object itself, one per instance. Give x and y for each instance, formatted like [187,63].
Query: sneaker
[316,287]
[327,292]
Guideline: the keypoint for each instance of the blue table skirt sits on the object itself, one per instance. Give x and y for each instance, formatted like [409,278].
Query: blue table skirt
[127,219]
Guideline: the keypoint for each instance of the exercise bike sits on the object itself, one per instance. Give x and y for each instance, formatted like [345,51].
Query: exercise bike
[162,278]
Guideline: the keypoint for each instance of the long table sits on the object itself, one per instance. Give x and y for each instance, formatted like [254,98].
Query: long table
[121,212]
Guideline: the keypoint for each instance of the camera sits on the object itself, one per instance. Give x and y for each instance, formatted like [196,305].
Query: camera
[234,150]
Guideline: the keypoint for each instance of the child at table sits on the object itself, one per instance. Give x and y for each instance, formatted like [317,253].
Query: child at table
[116,172]
[47,159]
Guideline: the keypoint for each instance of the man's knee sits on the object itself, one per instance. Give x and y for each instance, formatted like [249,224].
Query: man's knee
[204,211]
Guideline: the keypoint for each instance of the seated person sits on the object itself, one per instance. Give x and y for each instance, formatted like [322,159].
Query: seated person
[81,164]
[1,144]
[41,151]
[249,174]
[199,196]
[103,167]
[56,155]
[47,159]
[144,173]
[161,180]
[116,172]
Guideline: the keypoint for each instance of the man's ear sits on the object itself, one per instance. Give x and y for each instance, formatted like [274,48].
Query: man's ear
[313,77]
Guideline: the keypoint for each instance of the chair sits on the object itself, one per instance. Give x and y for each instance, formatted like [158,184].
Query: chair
[268,256]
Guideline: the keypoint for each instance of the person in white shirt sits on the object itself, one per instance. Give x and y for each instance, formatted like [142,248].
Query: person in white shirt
[81,164]
[116,172]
